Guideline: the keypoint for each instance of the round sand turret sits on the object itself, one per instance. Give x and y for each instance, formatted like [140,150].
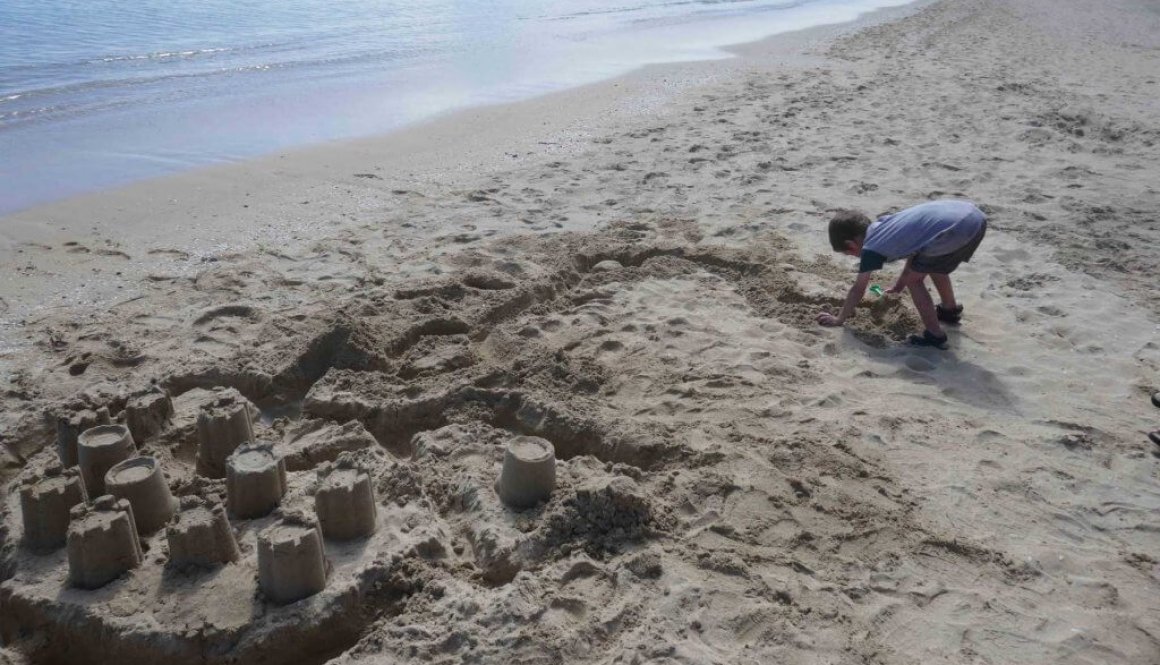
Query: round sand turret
[529,472]
[255,481]
[140,482]
[98,450]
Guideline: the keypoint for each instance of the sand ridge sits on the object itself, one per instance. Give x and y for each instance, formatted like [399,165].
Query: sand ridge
[735,484]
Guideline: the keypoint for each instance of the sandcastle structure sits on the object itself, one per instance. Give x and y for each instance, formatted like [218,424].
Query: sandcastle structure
[292,562]
[102,542]
[255,481]
[69,427]
[345,500]
[528,475]
[200,535]
[222,426]
[147,413]
[45,505]
[98,450]
[139,481]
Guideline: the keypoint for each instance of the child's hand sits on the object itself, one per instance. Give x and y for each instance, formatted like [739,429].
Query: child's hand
[829,320]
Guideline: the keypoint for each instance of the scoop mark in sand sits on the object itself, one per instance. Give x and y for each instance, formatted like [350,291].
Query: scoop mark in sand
[234,310]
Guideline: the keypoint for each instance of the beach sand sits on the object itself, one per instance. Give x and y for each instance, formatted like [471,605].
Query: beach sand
[631,271]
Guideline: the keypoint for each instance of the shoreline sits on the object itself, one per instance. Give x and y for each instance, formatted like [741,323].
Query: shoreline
[450,143]
[226,159]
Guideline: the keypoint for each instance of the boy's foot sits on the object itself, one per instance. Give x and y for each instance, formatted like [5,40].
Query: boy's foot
[952,316]
[927,338]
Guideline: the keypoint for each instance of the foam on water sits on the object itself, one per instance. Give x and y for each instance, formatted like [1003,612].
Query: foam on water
[95,93]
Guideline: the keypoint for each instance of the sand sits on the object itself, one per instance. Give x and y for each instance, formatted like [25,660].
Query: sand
[630,271]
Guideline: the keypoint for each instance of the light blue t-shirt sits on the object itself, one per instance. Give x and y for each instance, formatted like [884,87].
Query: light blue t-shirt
[936,228]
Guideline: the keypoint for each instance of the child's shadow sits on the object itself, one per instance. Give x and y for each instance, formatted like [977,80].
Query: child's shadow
[954,377]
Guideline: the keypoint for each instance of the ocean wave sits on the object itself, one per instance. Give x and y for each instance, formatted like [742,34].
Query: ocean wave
[160,55]
[92,96]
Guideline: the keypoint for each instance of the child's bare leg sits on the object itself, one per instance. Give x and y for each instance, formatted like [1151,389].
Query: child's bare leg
[924,304]
[946,292]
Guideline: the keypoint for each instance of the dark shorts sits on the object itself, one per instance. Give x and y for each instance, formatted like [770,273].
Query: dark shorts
[946,264]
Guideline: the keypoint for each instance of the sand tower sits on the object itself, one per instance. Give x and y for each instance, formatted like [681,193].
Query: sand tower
[98,449]
[222,426]
[291,560]
[147,413]
[139,481]
[529,472]
[45,504]
[102,542]
[345,500]
[200,535]
[69,427]
[255,480]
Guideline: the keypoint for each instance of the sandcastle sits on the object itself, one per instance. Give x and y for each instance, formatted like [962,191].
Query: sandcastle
[345,500]
[147,413]
[69,428]
[45,504]
[255,481]
[98,449]
[529,472]
[140,482]
[102,542]
[200,535]
[292,563]
[222,426]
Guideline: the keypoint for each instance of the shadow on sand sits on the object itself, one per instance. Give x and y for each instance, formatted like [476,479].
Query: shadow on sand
[952,376]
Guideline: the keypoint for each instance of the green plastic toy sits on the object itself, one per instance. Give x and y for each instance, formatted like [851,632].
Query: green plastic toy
[876,290]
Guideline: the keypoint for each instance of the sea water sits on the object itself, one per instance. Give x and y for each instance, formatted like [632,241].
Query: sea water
[97,93]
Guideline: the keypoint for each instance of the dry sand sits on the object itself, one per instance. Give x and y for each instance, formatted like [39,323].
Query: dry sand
[631,271]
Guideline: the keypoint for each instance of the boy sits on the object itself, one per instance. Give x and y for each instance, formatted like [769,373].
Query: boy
[934,237]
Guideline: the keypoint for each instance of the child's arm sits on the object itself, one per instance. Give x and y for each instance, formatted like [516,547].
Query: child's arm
[852,299]
[903,278]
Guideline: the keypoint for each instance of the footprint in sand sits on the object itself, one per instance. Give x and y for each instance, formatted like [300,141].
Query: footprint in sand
[611,346]
[1012,255]
[175,253]
[233,310]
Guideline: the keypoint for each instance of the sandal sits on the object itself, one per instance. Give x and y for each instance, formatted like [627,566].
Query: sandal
[952,316]
[927,338]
